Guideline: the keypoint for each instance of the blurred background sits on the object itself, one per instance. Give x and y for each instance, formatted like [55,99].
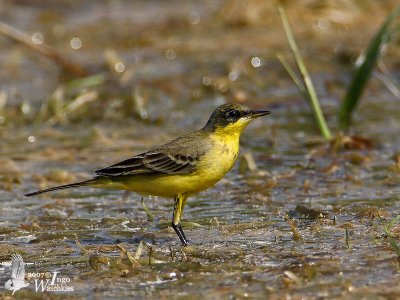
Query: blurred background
[172,53]
[84,84]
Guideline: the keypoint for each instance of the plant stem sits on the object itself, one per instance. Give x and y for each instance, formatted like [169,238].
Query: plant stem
[363,72]
[310,91]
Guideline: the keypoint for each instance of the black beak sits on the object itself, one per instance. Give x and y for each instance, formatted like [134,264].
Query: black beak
[258,113]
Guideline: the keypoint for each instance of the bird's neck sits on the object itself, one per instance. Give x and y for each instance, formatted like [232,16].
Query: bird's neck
[231,131]
[226,133]
[227,136]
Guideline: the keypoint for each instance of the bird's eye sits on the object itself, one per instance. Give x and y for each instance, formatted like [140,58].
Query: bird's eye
[232,114]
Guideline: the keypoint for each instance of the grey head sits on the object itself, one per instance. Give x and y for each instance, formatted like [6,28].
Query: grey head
[230,113]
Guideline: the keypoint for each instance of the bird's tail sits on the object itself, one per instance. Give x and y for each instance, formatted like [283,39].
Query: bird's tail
[89,182]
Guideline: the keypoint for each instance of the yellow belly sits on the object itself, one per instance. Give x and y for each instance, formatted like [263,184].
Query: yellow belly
[167,185]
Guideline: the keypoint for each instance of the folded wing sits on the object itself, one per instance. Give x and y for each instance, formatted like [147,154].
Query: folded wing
[152,162]
[179,156]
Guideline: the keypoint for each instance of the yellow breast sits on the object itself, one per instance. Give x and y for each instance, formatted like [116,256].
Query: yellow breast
[222,156]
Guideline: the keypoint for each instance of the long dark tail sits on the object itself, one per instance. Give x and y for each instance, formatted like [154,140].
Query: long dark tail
[66,186]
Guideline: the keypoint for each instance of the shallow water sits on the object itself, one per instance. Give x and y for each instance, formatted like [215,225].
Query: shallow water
[309,223]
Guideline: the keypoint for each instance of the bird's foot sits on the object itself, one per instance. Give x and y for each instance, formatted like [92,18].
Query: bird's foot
[181,234]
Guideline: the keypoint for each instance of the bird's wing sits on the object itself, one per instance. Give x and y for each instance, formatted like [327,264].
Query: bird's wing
[179,156]
[6,263]
[151,163]
[17,267]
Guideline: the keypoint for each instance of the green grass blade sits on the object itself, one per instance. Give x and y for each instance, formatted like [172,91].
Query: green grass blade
[149,214]
[364,70]
[292,73]
[310,91]
[393,222]
[79,84]
[347,238]
[387,228]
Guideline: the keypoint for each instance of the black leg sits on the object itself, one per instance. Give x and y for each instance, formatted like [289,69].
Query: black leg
[183,234]
[180,233]
[180,202]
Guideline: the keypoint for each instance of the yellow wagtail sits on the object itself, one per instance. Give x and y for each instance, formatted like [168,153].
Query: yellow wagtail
[182,167]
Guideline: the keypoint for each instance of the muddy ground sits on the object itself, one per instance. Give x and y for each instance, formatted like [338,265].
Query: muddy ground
[310,221]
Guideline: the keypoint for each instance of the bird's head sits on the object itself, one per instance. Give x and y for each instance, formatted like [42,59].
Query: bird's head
[232,118]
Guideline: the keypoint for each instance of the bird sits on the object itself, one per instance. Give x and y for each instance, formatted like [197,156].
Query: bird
[17,280]
[181,168]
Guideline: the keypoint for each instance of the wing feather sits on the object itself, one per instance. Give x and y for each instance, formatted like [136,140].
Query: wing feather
[179,156]
[17,267]
[152,163]
[135,161]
